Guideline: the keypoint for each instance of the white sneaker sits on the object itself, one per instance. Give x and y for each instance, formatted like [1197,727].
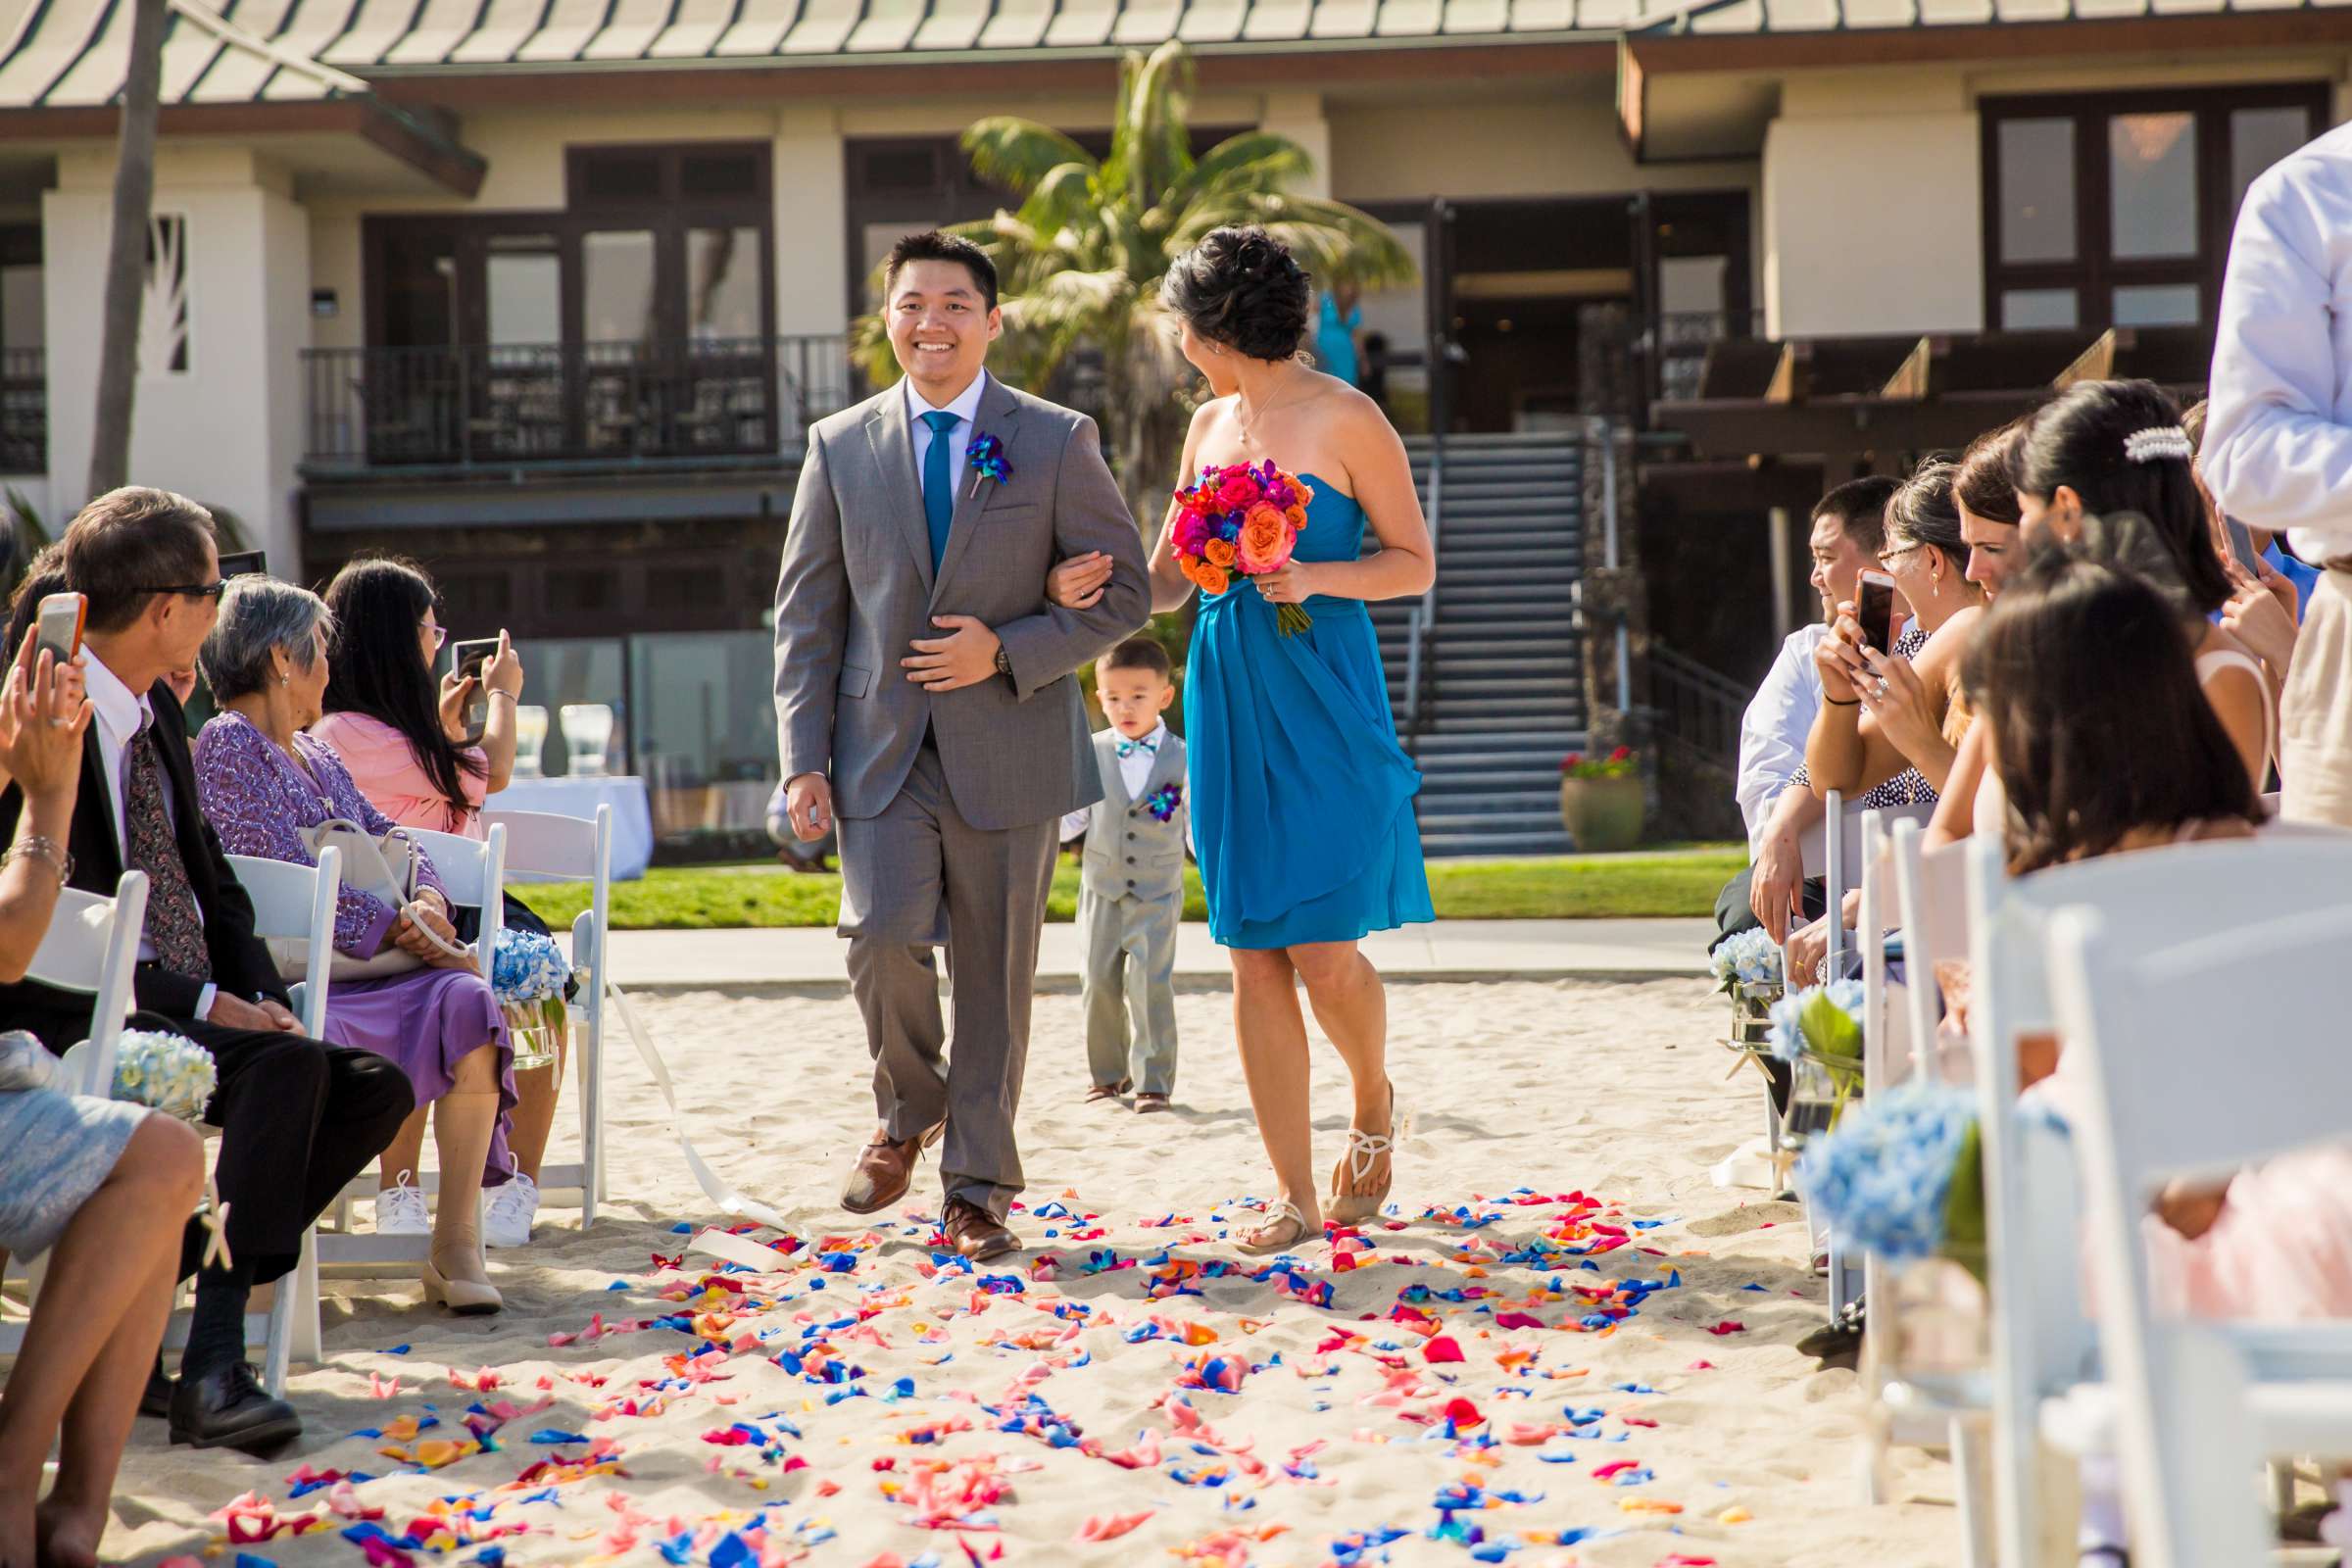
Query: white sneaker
[509,1211]
[401,1210]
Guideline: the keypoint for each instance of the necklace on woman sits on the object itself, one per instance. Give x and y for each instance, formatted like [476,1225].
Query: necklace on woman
[1249,420]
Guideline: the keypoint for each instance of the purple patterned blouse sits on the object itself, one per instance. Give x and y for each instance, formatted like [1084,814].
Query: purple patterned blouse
[259,802]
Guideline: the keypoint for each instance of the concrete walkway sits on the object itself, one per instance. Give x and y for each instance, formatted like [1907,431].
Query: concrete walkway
[1451,950]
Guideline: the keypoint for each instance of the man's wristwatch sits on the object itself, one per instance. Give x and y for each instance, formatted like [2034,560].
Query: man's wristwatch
[1004,662]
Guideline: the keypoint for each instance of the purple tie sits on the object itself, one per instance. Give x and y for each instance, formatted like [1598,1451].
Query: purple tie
[173,923]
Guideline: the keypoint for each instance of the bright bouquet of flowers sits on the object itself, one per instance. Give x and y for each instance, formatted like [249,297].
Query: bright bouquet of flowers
[529,976]
[1241,520]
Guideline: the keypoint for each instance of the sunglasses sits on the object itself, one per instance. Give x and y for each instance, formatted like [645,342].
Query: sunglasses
[213,590]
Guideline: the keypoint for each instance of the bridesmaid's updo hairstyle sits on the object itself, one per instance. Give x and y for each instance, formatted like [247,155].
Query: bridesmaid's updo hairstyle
[2120,447]
[1243,288]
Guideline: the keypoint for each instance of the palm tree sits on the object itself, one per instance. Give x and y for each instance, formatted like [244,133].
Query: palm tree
[127,250]
[1080,262]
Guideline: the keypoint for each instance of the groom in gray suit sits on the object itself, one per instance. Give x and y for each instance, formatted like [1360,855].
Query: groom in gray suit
[927,700]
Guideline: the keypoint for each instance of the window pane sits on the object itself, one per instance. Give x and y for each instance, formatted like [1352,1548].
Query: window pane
[616,282]
[723,281]
[619,176]
[704,740]
[2153,184]
[20,322]
[2259,138]
[2037,190]
[2157,305]
[525,279]
[2024,309]
[560,672]
[707,176]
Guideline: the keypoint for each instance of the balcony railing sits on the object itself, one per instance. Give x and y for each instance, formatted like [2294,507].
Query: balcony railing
[23,410]
[1679,341]
[577,404]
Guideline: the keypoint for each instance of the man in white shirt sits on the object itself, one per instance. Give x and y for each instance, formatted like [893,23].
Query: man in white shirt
[1850,528]
[2278,450]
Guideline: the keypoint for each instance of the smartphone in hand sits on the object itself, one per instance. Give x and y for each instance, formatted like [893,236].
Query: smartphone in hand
[245,563]
[1875,609]
[59,625]
[2241,544]
[467,659]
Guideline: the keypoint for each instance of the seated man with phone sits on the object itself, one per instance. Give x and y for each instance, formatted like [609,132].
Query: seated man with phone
[299,1119]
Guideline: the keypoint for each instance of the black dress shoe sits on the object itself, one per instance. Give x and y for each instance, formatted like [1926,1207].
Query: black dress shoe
[156,1400]
[227,1408]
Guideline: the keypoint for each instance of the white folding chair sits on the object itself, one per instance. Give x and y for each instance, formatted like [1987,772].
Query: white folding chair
[472,874]
[2043,1348]
[543,847]
[297,902]
[92,946]
[2147,1025]
[1930,890]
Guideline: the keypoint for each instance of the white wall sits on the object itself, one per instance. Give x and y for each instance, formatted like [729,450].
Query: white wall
[1872,223]
[226,431]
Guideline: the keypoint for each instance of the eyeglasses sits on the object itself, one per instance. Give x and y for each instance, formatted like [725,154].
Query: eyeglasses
[1888,558]
[211,591]
[440,635]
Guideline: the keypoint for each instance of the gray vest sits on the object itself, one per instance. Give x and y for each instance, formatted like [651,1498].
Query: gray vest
[1130,853]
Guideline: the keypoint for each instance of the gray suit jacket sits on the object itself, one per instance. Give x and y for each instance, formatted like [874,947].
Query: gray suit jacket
[856,589]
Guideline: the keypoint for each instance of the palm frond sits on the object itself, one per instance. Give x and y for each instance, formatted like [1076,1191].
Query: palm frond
[1019,154]
[1258,158]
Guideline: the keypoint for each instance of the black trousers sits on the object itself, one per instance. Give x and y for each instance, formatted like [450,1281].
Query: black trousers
[298,1121]
[1733,916]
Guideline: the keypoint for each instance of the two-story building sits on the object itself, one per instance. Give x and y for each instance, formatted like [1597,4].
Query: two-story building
[543,291]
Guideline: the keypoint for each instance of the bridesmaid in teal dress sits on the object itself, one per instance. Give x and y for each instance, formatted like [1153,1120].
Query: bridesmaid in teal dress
[1301,797]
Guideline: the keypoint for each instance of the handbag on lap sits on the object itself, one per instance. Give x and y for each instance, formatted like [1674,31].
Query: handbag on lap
[388,869]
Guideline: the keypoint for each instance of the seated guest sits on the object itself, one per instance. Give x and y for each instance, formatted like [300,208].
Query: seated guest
[403,736]
[2112,449]
[1896,717]
[2086,686]
[2266,602]
[102,1186]
[299,1117]
[1985,492]
[262,782]
[1848,530]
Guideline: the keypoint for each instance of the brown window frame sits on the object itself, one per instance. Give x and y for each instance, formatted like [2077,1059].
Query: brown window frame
[2094,272]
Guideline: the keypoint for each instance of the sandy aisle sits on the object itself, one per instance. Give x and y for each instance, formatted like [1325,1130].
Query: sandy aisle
[1555,1088]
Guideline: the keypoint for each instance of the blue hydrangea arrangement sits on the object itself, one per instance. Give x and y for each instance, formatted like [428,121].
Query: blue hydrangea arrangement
[1751,959]
[1902,1174]
[1825,1018]
[165,1072]
[529,976]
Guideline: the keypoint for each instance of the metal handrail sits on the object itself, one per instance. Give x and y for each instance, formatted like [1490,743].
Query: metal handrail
[1696,704]
[1424,612]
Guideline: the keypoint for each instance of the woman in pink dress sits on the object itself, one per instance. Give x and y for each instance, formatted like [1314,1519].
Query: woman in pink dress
[403,736]
[262,782]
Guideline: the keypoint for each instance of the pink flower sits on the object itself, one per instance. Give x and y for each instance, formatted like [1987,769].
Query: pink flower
[1266,540]
[1239,489]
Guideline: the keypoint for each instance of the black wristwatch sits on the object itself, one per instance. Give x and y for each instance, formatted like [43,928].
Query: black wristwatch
[1004,662]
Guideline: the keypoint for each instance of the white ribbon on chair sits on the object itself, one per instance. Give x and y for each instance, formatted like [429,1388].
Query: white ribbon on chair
[727,1196]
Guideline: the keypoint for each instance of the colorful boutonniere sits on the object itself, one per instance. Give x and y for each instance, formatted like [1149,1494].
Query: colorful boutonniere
[987,458]
[1164,802]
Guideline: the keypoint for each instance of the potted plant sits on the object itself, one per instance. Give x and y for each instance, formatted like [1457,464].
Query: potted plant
[1600,801]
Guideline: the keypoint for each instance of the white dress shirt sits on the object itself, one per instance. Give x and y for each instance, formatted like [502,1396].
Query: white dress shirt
[1773,730]
[120,714]
[2277,448]
[1134,769]
[965,408]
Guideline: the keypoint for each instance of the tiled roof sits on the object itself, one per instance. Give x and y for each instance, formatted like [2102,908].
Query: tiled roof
[70,51]
[1732,16]
[70,54]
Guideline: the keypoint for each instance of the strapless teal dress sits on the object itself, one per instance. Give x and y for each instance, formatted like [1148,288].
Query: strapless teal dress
[1302,799]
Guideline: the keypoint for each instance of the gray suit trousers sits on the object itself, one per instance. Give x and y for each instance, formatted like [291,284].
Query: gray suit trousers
[910,877]
[1131,988]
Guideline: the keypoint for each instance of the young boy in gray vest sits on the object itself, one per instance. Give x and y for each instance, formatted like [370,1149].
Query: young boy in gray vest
[1132,893]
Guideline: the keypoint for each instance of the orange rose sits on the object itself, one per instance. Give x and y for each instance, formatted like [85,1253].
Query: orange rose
[1267,539]
[1211,579]
[1218,553]
[1297,516]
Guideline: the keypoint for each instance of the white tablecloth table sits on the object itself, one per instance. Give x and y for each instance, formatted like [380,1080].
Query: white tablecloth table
[632,813]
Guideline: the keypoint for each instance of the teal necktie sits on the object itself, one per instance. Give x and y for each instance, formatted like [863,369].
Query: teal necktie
[939,484]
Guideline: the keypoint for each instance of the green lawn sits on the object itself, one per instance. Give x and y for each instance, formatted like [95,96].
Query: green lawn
[704,897]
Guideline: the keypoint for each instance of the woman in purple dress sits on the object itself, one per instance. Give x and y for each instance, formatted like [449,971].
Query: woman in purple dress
[263,781]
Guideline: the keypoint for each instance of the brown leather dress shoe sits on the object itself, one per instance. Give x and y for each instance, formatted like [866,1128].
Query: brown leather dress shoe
[976,1233]
[879,1178]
